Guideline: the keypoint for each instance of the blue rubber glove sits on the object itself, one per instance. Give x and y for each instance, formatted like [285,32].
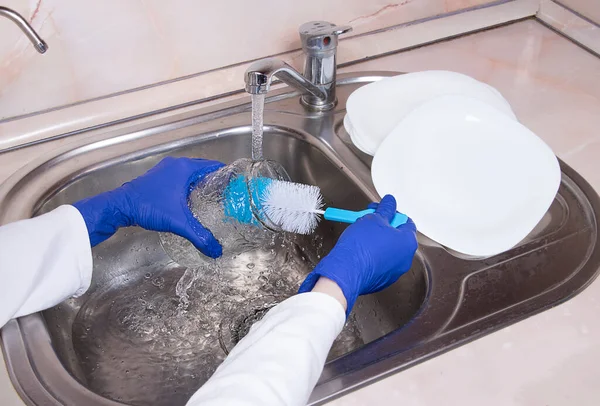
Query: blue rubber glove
[157,200]
[369,256]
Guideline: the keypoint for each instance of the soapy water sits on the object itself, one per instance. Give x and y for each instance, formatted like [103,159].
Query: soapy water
[158,339]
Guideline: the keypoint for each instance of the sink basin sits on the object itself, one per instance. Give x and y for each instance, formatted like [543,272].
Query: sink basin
[102,348]
[103,338]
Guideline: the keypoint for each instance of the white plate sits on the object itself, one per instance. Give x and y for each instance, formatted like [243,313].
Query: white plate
[353,136]
[471,178]
[375,109]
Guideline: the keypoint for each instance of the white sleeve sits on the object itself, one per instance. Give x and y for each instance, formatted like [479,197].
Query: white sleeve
[43,261]
[281,358]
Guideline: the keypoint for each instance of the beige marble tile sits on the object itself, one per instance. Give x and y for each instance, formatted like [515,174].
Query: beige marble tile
[213,82]
[571,24]
[103,47]
[587,8]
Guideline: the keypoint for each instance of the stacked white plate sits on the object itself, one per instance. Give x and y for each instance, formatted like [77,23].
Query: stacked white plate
[375,109]
[450,150]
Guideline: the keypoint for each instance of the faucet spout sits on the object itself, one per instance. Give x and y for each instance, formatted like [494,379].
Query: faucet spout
[260,74]
[319,42]
[39,44]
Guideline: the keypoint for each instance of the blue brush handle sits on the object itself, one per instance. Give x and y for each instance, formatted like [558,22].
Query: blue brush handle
[236,200]
[348,216]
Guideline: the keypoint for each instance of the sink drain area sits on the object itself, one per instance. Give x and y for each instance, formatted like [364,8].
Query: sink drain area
[232,331]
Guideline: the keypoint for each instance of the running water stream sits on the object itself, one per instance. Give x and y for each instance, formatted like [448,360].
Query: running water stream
[183,252]
[258,105]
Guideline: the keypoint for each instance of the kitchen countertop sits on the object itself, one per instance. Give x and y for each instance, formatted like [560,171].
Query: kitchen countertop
[553,358]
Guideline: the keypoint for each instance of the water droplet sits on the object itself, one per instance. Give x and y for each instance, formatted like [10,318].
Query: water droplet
[250,265]
[159,282]
[147,275]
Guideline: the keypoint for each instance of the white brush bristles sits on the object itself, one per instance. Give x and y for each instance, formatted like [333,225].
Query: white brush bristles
[294,207]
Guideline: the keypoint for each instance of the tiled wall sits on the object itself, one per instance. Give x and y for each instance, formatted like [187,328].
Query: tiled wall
[587,8]
[102,47]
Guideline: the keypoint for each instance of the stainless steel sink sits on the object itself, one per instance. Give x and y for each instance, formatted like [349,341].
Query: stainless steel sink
[446,300]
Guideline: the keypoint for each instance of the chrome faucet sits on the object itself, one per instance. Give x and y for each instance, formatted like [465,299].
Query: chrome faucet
[39,44]
[319,42]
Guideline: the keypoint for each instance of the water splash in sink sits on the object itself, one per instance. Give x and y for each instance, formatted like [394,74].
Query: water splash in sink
[207,205]
[138,343]
[155,337]
[184,284]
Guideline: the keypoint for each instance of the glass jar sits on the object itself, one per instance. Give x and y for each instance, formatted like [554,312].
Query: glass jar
[227,202]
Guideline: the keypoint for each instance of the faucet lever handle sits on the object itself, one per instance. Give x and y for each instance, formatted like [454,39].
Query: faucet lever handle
[332,30]
[341,29]
[319,36]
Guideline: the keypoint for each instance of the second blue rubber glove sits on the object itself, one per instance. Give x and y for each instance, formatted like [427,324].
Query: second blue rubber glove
[157,200]
[369,256]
